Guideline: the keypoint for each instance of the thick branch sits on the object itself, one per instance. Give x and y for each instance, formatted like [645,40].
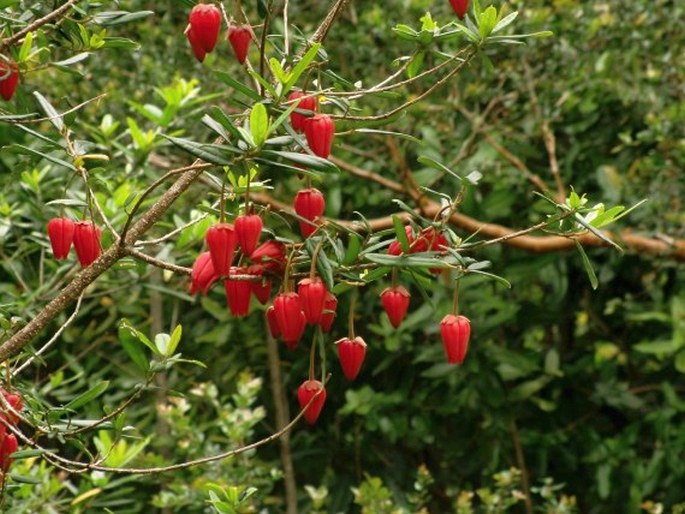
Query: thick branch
[60,11]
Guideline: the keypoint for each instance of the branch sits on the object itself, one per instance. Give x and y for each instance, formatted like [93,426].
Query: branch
[57,13]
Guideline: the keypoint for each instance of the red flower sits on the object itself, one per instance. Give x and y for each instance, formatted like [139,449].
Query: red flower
[16,402]
[238,293]
[312,294]
[351,353]
[261,289]
[61,233]
[203,274]
[320,131]
[240,37]
[308,390]
[196,45]
[9,446]
[290,318]
[221,242]
[248,229]
[271,254]
[395,248]
[309,204]
[455,331]
[330,305]
[273,322]
[460,7]
[87,242]
[395,301]
[205,24]
[307,103]
[9,79]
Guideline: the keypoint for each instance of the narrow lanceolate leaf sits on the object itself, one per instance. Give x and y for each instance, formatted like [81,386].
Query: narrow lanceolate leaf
[310,161]
[352,251]
[259,124]
[226,78]
[54,116]
[47,157]
[587,265]
[400,233]
[300,67]
[88,396]
[213,154]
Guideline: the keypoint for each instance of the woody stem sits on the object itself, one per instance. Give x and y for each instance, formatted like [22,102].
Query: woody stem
[350,316]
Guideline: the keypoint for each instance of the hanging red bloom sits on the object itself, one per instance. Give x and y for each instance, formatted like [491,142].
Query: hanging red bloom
[305,103]
[61,233]
[308,390]
[248,230]
[395,248]
[240,37]
[9,79]
[221,242]
[330,305]
[87,242]
[205,24]
[320,131]
[351,353]
[203,275]
[272,321]
[312,294]
[309,204]
[198,50]
[395,301]
[9,446]
[460,7]
[455,331]
[271,254]
[290,318]
[238,293]
[261,289]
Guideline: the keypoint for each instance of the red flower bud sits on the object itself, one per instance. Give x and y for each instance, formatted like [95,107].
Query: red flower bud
[290,318]
[308,390]
[16,402]
[351,353]
[330,305]
[261,289]
[320,131]
[240,37]
[460,7]
[205,24]
[248,229]
[9,79]
[312,294]
[87,242]
[203,274]
[455,331]
[307,103]
[395,301]
[221,242]
[273,322]
[9,446]
[196,45]
[395,248]
[238,293]
[61,233]
[270,254]
[310,204]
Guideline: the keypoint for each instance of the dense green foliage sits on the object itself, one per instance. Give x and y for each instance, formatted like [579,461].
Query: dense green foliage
[582,388]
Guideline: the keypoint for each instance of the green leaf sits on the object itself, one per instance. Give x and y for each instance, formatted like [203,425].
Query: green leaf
[130,344]
[680,362]
[54,116]
[505,22]
[309,161]
[300,68]
[587,265]
[88,396]
[400,233]
[174,340]
[25,49]
[259,124]
[125,325]
[45,156]
[352,251]
[227,78]
[213,154]
[23,479]
[663,348]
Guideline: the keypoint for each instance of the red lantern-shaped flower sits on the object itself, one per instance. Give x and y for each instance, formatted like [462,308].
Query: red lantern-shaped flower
[460,7]
[312,294]
[330,305]
[320,131]
[351,353]
[304,103]
[205,25]
[9,446]
[311,391]
[395,301]
[16,402]
[290,318]
[198,50]
[9,79]
[61,233]
[272,321]
[238,293]
[203,275]
[87,242]
[261,289]
[309,204]
[240,37]
[248,230]
[395,248]
[221,242]
[270,254]
[455,331]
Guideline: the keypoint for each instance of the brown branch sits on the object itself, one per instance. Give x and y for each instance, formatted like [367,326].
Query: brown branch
[60,11]
[521,463]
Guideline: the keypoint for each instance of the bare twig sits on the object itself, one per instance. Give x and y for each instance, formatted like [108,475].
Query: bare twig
[57,13]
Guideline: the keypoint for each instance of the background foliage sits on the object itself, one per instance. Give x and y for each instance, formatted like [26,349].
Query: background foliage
[586,386]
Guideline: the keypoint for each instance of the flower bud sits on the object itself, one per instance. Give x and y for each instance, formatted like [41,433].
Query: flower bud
[309,204]
[248,230]
[351,353]
[271,255]
[87,242]
[320,131]
[221,242]
[240,37]
[61,233]
[205,24]
[305,103]
[203,275]
[9,79]
[238,293]
[290,318]
[455,331]
[395,301]
[312,294]
[460,7]
[330,305]
[308,390]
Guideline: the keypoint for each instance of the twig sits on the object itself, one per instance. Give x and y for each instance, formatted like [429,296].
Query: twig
[60,11]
